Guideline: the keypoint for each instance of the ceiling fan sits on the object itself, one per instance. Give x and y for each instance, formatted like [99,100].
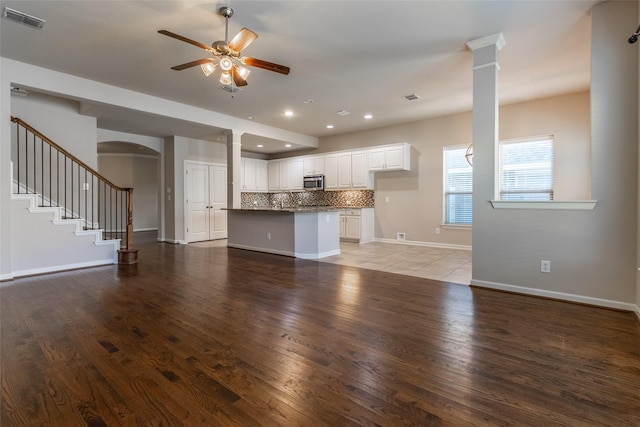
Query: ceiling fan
[227,55]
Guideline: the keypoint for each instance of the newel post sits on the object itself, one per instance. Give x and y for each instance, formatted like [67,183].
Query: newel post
[129,255]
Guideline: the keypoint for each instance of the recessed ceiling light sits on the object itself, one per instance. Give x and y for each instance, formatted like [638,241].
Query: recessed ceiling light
[260,146]
[288,113]
[342,113]
[287,145]
[368,116]
[251,117]
[308,101]
[329,126]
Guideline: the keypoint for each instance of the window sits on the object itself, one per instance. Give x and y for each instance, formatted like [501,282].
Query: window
[526,169]
[458,186]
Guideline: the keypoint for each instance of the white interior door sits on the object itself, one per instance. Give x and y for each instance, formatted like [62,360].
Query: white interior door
[197,200]
[217,201]
[206,195]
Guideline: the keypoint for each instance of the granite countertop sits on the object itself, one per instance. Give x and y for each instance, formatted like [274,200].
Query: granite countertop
[286,209]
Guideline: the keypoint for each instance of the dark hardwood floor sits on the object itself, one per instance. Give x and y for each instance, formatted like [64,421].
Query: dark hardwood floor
[222,337]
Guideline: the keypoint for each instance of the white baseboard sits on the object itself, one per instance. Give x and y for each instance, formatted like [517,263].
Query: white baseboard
[426,244]
[56,268]
[317,256]
[4,277]
[618,305]
[258,249]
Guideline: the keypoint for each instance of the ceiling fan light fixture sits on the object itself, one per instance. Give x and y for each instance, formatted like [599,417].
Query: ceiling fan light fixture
[226,64]
[208,68]
[225,78]
[243,72]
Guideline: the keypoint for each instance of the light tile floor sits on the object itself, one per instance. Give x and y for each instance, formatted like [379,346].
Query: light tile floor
[448,265]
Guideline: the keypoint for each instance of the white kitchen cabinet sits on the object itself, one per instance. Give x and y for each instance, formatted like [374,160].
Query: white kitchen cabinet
[352,170]
[391,157]
[279,175]
[331,172]
[274,176]
[297,174]
[356,225]
[285,174]
[360,177]
[313,165]
[262,176]
[254,175]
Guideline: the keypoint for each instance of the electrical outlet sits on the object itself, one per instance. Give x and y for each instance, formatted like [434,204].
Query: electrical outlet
[400,236]
[437,230]
[545,266]
[268,236]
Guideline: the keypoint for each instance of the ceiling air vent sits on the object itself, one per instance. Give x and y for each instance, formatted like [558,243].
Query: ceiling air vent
[22,18]
[342,113]
[230,89]
[412,97]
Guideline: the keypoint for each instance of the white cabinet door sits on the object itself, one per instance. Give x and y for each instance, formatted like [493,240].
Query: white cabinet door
[274,176]
[395,157]
[344,170]
[376,159]
[297,174]
[359,171]
[313,165]
[352,227]
[331,172]
[285,175]
[248,168]
[262,176]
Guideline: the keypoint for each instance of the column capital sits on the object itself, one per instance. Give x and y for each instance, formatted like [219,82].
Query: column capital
[496,40]
[233,132]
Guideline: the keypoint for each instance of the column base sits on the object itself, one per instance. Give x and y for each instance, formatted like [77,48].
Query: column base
[128,256]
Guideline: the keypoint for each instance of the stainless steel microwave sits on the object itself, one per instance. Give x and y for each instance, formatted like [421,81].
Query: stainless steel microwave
[314,182]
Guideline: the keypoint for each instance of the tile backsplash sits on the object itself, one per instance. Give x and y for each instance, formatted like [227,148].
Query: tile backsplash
[344,198]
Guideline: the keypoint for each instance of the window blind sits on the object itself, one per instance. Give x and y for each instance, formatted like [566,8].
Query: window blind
[526,169]
[458,187]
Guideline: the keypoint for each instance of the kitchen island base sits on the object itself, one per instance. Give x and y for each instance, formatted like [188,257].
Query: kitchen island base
[300,233]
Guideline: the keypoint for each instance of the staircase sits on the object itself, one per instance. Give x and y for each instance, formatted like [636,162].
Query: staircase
[64,214]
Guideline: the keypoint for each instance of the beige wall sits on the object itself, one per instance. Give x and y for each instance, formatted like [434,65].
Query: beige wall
[141,174]
[415,203]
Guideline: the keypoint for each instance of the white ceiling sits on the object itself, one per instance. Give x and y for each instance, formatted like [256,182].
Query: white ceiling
[358,56]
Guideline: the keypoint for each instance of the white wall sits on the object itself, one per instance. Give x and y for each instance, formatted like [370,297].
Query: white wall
[592,252]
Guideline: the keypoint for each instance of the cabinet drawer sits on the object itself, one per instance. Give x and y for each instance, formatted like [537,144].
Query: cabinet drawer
[351,212]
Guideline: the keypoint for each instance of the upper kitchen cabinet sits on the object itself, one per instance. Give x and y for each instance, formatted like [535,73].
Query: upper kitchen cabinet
[390,157]
[254,175]
[313,165]
[352,170]
[297,174]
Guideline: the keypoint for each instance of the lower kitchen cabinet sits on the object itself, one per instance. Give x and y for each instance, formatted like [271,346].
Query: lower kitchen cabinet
[356,225]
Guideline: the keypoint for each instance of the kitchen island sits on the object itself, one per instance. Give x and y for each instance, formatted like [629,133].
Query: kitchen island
[303,232]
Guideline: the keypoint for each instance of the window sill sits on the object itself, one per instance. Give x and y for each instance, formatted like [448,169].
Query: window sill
[457,226]
[580,205]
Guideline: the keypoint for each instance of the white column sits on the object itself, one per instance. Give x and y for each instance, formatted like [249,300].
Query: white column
[485,137]
[234,177]
[5,178]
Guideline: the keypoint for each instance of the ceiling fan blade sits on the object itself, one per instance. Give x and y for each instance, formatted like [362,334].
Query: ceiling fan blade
[186,40]
[259,63]
[192,64]
[237,78]
[242,39]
